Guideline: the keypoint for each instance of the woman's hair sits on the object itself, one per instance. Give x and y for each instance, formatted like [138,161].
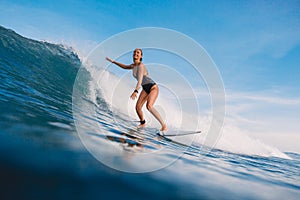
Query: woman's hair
[141,52]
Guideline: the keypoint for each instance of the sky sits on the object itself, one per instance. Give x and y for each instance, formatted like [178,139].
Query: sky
[254,44]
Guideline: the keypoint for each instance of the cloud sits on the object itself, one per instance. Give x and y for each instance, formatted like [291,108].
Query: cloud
[267,108]
[257,98]
[264,116]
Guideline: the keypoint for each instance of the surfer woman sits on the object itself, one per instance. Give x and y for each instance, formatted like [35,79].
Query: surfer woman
[150,89]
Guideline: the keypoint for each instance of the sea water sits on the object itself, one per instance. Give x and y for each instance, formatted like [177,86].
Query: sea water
[42,156]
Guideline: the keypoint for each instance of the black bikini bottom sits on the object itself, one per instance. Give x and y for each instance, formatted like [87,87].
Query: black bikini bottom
[147,87]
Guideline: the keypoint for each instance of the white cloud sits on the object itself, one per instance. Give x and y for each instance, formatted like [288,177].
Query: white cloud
[273,119]
[266,119]
[254,97]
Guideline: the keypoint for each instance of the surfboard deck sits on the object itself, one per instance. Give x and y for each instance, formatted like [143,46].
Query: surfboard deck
[168,136]
[172,133]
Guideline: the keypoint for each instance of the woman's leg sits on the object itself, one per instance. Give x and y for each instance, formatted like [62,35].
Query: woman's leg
[150,102]
[139,104]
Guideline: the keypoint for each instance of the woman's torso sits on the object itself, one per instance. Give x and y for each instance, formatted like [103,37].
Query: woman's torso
[146,79]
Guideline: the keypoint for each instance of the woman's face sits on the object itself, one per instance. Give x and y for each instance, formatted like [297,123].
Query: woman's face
[137,55]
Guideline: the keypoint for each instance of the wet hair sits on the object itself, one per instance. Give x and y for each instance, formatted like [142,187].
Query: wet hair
[141,52]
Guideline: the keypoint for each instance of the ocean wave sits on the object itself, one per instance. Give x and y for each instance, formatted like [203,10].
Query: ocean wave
[41,152]
[37,81]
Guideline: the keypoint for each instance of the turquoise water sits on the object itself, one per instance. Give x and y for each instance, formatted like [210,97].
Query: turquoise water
[42,156]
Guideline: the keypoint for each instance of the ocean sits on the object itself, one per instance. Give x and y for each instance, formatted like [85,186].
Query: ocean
[51,148]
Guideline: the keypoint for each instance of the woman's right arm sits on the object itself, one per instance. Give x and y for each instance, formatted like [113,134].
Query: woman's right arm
[120,64]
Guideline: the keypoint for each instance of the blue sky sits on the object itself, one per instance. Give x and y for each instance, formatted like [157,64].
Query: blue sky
[255,45]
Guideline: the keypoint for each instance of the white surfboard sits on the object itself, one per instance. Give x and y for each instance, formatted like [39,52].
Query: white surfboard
[171,133]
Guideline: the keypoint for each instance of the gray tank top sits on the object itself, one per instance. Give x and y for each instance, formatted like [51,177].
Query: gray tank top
[146,79]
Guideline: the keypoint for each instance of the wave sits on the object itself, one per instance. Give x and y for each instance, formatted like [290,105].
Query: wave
[39,146]
[238,141]
[36,82]
[37,85]
[115,90]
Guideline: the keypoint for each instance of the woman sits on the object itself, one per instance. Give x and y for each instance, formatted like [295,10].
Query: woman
[150,89]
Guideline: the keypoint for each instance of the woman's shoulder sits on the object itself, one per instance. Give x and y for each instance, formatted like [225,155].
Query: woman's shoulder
[131,66]
[142,65]
[139,66]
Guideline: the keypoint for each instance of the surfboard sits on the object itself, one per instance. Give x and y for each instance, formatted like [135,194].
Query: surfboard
[167,136]
[172,133]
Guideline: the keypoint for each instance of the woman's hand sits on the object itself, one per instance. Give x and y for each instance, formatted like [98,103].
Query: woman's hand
[133,95]
[108,59]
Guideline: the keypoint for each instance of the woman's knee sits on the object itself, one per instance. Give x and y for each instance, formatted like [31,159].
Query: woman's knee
[138,107]
[149,107]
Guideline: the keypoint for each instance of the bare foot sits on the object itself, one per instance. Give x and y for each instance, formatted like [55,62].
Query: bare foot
[163,128]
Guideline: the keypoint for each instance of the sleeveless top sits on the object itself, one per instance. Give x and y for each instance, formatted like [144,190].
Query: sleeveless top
[146,79]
